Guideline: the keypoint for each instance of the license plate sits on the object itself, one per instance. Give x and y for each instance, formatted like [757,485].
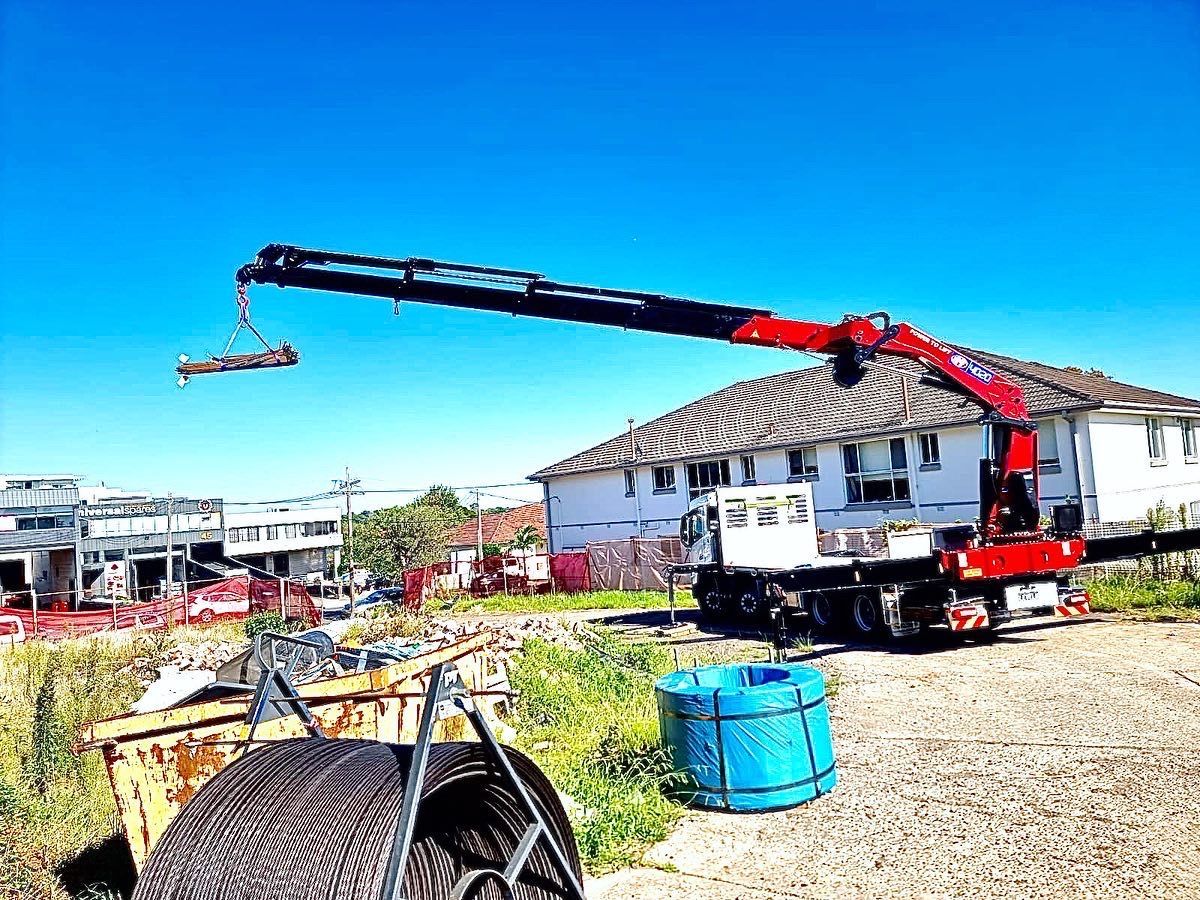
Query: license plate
[1038,595]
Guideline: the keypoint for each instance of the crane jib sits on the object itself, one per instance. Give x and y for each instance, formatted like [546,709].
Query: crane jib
[546,300]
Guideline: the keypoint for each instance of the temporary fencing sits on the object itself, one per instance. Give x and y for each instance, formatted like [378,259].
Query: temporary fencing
[569,572]
[200,603]
[632,564]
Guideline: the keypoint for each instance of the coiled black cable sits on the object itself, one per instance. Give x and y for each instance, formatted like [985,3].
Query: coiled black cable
[315,819]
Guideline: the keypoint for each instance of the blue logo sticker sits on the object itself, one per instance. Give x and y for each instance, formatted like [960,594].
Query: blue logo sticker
[972,368]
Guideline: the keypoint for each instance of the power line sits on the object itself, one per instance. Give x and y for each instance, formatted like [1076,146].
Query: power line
[327,495]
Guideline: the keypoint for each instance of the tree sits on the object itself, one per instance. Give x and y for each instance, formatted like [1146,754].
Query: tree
[442,497]
[525,539]
[389,541]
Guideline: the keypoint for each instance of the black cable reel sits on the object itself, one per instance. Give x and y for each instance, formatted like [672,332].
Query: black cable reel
[333,819]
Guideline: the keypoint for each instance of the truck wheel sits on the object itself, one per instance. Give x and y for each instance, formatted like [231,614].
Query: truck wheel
[867,615]
[752,605]
[714,605]
[823,612]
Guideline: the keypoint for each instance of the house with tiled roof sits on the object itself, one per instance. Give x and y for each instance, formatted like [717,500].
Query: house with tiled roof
[891,447]
[499,528]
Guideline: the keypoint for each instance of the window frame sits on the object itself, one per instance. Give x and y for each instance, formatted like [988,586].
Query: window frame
[929,449]
[1187,433]
[749,468]
[1047,426]
[1154,440]
[724,476]
[665,488]
[804,474]
[859,475]
[630,482]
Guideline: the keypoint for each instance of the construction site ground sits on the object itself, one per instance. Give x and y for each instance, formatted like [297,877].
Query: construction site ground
[1060,760]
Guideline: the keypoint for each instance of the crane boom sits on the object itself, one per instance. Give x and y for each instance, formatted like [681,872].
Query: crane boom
[1008,474]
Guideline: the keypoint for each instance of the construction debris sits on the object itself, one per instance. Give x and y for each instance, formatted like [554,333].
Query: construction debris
[283,355]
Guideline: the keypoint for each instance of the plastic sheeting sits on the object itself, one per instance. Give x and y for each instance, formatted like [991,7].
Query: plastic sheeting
[569,571]
[633,564]
[748,737]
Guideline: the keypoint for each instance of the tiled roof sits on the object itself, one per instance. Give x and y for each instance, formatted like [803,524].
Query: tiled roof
[500,528]
[806,407]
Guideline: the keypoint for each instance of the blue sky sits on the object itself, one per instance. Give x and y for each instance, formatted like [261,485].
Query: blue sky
[1020,177]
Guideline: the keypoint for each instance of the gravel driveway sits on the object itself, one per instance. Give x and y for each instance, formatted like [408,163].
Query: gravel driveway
[1060,761]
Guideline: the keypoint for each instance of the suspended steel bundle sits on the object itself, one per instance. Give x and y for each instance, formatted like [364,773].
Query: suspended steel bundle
[317,819]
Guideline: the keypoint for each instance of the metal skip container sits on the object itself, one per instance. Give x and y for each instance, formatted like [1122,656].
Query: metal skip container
[158,760]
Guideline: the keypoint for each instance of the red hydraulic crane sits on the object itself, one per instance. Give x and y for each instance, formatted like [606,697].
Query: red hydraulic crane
[1008,543]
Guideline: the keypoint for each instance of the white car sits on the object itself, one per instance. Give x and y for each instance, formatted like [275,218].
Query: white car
[207,607]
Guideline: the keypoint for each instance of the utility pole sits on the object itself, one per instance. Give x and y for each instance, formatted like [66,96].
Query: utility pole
[478,530]
[347,486]
[633,455]
[170,555]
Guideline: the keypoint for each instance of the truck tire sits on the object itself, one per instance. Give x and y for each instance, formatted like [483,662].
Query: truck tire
[866,614]
[823,612]
[715,604]
[751,605]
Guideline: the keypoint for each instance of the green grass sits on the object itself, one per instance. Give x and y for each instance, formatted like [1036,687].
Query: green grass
[53,803]
[1147,599]
[552,603]
[590,720]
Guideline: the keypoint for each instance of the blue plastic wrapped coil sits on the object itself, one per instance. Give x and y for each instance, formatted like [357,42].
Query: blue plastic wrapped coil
[748,737]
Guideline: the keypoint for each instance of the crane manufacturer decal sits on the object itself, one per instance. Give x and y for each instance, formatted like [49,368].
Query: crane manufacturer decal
[972,368]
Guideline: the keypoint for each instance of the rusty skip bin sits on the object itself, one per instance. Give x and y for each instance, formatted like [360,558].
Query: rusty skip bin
[157,761]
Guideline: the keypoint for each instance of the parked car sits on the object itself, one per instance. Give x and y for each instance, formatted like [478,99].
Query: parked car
[209,606]
[340,609]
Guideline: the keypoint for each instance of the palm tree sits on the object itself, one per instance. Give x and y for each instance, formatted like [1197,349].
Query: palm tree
[524,539]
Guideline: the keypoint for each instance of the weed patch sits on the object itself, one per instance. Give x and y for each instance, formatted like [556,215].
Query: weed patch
[589,719]
[1143,598]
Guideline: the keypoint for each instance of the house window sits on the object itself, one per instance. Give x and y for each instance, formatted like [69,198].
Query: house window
[1188,429]
[1047,443]
[38,523]
[931,449]
[748,468]
[703,477]
[876,471]
[630,483]
[802,462]
[289,531]
[272,532]
[1154,440]
[664,479]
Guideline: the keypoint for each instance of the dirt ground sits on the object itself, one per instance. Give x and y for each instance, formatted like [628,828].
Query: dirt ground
[1059,761]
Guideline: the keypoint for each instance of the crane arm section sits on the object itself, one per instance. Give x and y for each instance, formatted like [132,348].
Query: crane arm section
[1006,506]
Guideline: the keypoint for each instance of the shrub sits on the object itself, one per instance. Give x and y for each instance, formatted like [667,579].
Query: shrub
[265,621]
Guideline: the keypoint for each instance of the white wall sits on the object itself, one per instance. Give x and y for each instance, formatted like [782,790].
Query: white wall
[1126,481]
[593,506]
[280,543]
